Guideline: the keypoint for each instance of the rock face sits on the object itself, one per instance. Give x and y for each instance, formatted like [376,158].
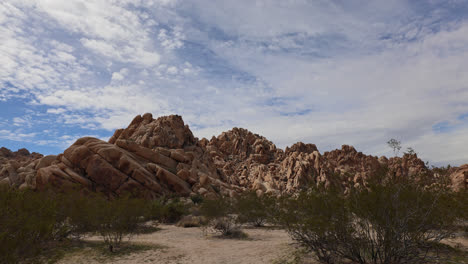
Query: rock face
[153,157]
[459,178]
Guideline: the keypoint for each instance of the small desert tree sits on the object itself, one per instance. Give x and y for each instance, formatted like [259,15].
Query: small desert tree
[395,145]
[116,219]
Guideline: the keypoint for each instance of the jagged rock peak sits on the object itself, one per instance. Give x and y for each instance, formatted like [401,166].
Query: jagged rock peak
[165,131]
[302,148]
[242,143]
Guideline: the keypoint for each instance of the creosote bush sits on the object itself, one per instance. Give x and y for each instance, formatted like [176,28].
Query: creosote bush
[253,209]
[166,210]
[196,199]
[28,221]
[390,221]
[31,221]
[220,217]
[117,219]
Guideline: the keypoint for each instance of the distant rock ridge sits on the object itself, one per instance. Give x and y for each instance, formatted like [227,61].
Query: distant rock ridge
[154,157]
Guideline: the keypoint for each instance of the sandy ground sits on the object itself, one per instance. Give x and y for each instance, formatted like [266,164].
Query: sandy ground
[189,245]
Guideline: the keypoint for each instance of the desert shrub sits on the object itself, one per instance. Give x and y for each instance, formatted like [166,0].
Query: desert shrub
[173,211]
[191,221]
[78,211]
[28,222]
[401,221]
[395,221]
[154,210]
[220,217]
[116,219]
[215,208]
[254,209]
[318,220]
[166,210]
[196,199]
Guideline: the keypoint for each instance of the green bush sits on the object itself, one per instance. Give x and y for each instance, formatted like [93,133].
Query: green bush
[196,199]
[391,221]
[166,210]
[254,209]
[78,211]
[28,222]
[215,208]
[116,219]
[220,217]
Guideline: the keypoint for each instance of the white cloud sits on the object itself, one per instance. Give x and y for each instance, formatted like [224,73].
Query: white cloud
[56,110]
[16,135]
[172,70]
[119,76]
[173,41]
[325,72]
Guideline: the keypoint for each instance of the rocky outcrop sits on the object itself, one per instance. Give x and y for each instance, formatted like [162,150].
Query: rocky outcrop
[18,168]
[459,178]
[165,132]
[153,157]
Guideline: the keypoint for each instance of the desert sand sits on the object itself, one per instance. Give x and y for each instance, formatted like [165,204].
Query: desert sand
[178,245]
[190,245]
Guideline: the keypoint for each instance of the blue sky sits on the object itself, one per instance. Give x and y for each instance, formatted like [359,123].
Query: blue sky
[324,72]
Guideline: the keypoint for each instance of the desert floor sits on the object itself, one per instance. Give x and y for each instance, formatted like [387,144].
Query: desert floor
[189,245]
[172,244]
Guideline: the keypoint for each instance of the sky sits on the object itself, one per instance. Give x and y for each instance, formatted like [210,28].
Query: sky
[330,72]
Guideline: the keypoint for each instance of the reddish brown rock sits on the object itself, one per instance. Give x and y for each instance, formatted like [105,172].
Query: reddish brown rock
[17,168]
[459,178]
[301,147]
[167,131]
[153,157]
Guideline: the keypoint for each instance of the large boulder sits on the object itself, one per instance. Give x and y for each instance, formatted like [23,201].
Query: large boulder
[459,178]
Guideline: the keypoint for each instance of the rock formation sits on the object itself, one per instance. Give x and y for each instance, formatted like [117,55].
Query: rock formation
[18,168]
[153,157]
[459,178]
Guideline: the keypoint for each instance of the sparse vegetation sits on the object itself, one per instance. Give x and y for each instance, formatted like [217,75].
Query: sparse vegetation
[31,222]
[387,220]
[253,209]
[28,222]
[166,210]
[220,217]
[117,219]
[196,199]
[391,221]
